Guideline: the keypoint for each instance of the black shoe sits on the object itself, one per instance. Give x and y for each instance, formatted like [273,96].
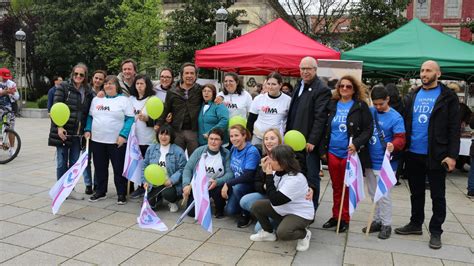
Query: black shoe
[427,185]
[244,221]
[219,215]
[409,229]
[398,184]
[374,227]
[470,194]
[343,226]
[385,232]
[138,193]
[89,190]
[96,197]
[435,241]
[121,200]
[330,223]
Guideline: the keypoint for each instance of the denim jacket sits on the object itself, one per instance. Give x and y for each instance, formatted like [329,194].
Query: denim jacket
[175,162]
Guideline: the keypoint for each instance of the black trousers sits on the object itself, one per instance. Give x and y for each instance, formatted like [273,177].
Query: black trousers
[215,194]
[103,153]
[417,171]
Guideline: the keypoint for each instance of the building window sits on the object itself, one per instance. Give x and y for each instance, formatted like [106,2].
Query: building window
[453,31]
[422,8]
[452,8]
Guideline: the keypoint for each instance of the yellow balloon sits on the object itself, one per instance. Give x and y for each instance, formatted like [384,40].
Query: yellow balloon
[238,120]
[60,114]
[295,140]
[154,107]
[155,174]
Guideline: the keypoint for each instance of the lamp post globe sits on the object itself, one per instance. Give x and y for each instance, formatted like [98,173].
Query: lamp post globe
[221,14]
[20,35]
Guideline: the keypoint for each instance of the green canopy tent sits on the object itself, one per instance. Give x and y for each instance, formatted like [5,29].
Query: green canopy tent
[401,53]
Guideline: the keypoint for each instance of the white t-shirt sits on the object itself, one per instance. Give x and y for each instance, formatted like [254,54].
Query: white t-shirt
[237,104]
[164,150]
[108,117]
[272,113]
[214,166]
[145,134]
[295,188]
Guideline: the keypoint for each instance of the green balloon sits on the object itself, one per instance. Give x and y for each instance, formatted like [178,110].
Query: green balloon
[154,107]
[60,114]
[295,140]
[155,174]
[238,120]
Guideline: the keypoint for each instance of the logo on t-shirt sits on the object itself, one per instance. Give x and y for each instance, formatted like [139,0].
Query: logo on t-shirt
[268,110]
[162,163]
[422,119]
[373,140]
[342,128]
[230,105]
[102,107]
[135,111]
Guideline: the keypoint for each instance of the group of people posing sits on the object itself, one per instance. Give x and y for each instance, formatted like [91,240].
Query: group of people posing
[251,173]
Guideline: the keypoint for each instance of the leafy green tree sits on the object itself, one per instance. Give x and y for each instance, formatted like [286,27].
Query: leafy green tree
[372,19]
[132,31]
[192,27]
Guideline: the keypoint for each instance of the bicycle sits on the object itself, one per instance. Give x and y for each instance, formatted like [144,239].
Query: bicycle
[7,151]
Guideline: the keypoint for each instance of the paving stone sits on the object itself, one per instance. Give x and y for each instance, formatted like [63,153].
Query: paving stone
[279,247]
[72,262]
[31,238]
[9,198]
[107,254]
[33,203]
[34,257]
[64,224]
[405,259]
[32,218]
[325,236]
[323,254]
[253,257]
[453,227]
[8,229]
[457,239]
[190,231]
[97,231]
[231,238]
[120,219]
[8,211]
[360,256]
[174,246]
[67,246]
[465,219]
[189,262]
[67,207]
[8,251]
[219,254]
[131,207]
[151,258]
[90,213]
[455,263]
[134,238]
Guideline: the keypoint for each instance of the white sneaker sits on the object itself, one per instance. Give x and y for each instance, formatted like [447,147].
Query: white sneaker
[263,235]
[173,207]
[11,151]
[303,244]
[76,196]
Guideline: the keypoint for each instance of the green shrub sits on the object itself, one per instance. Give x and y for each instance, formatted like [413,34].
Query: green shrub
[43,101]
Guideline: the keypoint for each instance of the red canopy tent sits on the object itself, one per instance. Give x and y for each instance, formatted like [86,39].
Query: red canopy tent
[276,46]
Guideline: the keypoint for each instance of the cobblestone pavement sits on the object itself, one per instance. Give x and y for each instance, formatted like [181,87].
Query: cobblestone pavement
[105,233]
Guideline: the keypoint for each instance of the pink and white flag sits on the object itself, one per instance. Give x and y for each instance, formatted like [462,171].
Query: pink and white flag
[199,185]
[386,179]
[64,186]
[148,218]
[133,164]
[354,179]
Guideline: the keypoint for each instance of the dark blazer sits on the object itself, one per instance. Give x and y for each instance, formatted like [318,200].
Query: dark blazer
[311,111]
[443,128]
[359,125]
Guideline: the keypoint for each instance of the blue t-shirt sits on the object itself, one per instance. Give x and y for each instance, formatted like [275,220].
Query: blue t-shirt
[339,138]
[390,123]
[246,159]
[422,108]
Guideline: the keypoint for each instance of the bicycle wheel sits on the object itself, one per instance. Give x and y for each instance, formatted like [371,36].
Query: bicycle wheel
[7,154]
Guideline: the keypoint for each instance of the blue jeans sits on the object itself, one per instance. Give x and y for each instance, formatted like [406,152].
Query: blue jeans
[235,194]
[67,157]
[247,201]
[470,179]
[313,165]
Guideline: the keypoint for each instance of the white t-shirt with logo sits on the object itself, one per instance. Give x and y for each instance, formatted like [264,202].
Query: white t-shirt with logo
[272,113]
[145,134]
[237,104]
[214,166]
[108,117]
[295,187]
[164,150]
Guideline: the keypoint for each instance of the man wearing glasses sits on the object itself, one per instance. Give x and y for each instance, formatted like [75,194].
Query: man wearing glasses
[308,114]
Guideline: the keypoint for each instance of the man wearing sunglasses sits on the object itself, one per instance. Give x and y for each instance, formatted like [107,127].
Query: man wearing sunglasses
[308,114]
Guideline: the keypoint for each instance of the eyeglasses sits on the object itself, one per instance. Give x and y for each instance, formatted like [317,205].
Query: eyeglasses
[79,74]
[166,77]
[349,87]
[303,69]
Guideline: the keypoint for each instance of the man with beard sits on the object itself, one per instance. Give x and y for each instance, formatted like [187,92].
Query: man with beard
[184,101]
[127,76]
[432,135]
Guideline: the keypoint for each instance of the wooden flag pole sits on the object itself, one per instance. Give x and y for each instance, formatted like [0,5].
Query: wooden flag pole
[340,208]
[371,217]
[128,188]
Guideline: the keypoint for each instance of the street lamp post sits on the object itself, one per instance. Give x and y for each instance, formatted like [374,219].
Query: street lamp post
[221,30]
[20,52]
